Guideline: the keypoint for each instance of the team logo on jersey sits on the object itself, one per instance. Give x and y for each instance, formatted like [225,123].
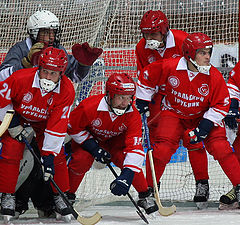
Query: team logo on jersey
[122,127]
[174,81]
[204,90]
[151,59]
[50,101]
[28,97]
[97,122]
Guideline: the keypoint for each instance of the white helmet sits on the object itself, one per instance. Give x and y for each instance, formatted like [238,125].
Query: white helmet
[41,19]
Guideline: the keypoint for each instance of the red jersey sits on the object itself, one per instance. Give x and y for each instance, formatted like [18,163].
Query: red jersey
[234,82]
[188,94]
[92,118]
[50,109]
[173,49]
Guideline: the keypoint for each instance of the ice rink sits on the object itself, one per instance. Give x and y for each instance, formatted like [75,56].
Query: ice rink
[126,215]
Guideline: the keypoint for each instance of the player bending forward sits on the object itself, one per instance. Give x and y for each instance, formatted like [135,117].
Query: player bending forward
[229,200]
[44,30]
[158,43]
[197,99]
[42,98]
[108,127]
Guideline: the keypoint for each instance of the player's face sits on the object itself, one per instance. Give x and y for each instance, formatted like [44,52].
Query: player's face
[121,101]
[46,36]
[49,75]
[203,56]
[154,36]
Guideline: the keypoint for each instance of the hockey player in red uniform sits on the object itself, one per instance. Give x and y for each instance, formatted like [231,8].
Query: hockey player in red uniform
[42,98]
[229,200]
[108,127]
[197,99]
[44,30]
[159,42]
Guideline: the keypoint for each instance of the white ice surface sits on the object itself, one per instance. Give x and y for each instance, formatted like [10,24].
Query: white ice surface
[125,215]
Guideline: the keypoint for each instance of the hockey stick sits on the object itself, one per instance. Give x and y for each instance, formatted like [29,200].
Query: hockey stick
[83,220]
[139,212]
[164,211]
[6,121]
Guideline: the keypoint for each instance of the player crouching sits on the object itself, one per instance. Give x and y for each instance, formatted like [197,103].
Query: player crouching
[42,98]
[108,127]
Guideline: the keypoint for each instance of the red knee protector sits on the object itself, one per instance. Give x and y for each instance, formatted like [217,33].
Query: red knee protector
[9,170]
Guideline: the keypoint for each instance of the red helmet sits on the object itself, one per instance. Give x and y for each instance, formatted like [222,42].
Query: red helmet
[120,83]
[193,42]
[53,59]
[154,21]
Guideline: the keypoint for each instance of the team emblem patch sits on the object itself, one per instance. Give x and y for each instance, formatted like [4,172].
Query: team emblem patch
[97,122]
[204,90]
[174,81]
[50,101]
[122,127]
[28,97]
[151,59]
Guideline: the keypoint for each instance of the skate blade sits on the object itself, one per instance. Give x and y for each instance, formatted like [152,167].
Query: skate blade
[66,218]
[202,205]
[232,206]
[42,215]
[153,215]
[7,218]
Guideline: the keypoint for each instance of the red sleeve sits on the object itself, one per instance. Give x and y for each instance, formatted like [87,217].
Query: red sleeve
[141,62]
[219,98]
[133,142]
[150,78]
[57,122]
[8,90]
[234,82]
[78,123]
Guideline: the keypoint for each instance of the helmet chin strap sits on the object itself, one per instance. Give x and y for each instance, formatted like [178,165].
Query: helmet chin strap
[201,69]
[154,45]
[116,111]
[119,112]
[47,85]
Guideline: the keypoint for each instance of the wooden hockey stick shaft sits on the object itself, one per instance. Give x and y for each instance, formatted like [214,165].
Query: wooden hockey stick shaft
[164,211]
[83,220]
[6,121]
[139,212]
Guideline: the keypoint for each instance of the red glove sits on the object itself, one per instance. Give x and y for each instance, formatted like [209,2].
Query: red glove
[85,54]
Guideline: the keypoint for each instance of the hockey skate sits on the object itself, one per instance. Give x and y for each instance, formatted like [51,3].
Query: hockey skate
[228,201]
[61,209]
[46,213]
[146,201]
[7,207]
[202,194]
[71,197]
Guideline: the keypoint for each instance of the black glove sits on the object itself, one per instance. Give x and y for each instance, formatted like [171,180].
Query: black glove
[121,185]
[232,115]
[201,132]
[48,167]
[98,153]
[143,106]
